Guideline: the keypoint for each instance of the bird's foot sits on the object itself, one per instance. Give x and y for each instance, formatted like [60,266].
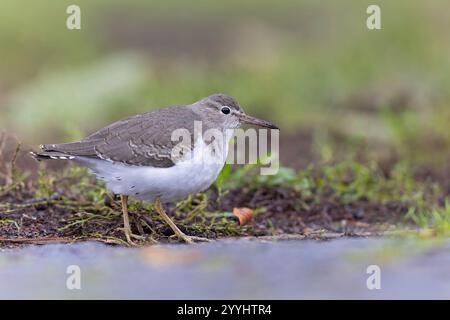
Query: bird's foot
[191,239]
[180,234]
[135,236]
[129,241]
[129,236]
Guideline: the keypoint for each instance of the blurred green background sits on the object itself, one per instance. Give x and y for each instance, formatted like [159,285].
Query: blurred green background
[311,66]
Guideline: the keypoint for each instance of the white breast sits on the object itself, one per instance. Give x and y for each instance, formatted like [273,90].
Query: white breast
[169,184]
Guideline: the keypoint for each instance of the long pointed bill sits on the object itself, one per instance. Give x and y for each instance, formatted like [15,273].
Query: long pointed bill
[255,121]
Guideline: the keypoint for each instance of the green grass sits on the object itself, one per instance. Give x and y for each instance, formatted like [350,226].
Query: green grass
[433,222]
[347,181]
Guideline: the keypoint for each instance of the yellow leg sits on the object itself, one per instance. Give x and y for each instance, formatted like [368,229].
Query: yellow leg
[126,219]
[126,223]
[189,239]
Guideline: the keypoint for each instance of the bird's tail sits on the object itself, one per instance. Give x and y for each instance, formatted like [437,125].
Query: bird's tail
[47,154]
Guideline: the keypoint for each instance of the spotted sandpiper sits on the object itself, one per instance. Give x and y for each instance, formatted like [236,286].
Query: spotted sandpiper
[135,157]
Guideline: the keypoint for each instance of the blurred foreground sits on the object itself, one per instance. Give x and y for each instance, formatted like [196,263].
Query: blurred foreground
[312,67]
[229,270]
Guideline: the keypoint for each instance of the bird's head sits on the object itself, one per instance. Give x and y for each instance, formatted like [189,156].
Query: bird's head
[225,111]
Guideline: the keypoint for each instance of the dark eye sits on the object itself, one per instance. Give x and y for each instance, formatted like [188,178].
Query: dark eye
[226,110]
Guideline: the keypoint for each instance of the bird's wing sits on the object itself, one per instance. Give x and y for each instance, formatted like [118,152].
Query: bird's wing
[141,140]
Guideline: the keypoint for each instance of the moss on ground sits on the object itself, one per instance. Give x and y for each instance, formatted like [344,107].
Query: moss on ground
[349,197]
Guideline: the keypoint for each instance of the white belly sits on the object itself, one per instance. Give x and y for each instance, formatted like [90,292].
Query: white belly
[149,183]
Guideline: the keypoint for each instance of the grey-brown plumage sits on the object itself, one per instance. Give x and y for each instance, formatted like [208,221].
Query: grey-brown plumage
[141,140]
[134,156]
[145,139]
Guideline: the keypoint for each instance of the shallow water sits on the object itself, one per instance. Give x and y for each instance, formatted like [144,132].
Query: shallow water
[228,270]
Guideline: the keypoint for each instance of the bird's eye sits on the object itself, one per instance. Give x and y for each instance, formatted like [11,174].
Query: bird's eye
[226,110]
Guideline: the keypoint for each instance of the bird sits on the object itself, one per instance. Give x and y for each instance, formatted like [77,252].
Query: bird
[136,157]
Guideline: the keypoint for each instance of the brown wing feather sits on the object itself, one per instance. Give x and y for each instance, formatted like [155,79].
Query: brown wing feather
[141,140]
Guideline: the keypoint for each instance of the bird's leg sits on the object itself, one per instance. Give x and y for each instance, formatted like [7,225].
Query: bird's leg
[189,239]
[126,221]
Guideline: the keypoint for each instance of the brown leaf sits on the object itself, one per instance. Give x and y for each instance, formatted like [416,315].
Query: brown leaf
[245,215]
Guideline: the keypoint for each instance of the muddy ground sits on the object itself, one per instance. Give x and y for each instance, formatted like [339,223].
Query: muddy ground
[54,203]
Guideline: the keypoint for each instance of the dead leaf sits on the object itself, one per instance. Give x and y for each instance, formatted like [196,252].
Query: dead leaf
[245,215]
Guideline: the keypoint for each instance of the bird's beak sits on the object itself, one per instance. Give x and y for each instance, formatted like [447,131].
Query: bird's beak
[255,121]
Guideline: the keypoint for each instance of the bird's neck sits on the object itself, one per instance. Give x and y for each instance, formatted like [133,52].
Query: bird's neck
[212,146]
